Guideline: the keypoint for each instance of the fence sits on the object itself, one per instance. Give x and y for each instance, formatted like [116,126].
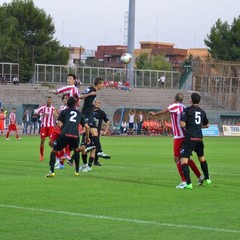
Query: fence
[142,78]
[220,81]
[9,70]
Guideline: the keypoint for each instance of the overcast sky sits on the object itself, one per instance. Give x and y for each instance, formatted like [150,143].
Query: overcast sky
[89,23]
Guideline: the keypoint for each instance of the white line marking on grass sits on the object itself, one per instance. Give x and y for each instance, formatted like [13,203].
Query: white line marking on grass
[122,219]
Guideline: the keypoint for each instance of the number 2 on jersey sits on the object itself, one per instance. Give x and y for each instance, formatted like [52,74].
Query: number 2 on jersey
[73,117]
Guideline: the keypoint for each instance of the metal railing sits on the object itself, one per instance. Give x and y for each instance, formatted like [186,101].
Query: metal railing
[9,70]
[220,81]
[225,90]
[142,78]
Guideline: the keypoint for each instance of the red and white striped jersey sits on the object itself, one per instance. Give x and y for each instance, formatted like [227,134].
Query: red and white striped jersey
[70,90]
[176,110]
[47,115]
[12,118]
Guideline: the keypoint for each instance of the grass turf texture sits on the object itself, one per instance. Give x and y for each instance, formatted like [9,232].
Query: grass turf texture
[132,196]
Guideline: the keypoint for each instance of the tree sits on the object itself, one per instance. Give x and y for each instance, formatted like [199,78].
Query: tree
[145,61]
[159,63]
[224,40]
[93,62]
[27,37]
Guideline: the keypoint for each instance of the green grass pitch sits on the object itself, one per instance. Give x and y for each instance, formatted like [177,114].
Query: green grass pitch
[132,196]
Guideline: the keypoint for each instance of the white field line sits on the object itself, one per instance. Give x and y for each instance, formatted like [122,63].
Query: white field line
[122,219]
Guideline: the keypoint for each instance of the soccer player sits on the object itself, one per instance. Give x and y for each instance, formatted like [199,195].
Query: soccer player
[100,116]
[47,124]
[68,120]
[12,124]
[89,96]
[175,109]
[2,118]
[56,132]
[71,90]
[194,119]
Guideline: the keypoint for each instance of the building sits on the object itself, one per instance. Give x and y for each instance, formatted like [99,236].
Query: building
[175,56]
[78,55]
[201,53]
[75,55]
[109,55]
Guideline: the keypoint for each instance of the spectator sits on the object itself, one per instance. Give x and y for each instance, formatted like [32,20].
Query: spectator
[115,85]
[127,85]
[34,123]
[139,123]
[106,84]
[123,127]
[120,84]
[15,80]
[26,121]
[3,80]
[131,121]
[162,80]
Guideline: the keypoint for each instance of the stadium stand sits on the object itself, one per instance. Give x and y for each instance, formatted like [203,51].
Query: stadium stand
[30,94]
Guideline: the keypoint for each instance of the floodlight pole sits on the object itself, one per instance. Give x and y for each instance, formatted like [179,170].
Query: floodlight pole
[131,39]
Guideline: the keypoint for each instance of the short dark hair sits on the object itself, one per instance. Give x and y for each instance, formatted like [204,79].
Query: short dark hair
[179,97]
[72,75]
[98,80]
[64,95]
[196,98]
[71,102]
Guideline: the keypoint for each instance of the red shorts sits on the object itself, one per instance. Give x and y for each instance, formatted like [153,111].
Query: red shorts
[12,127]
[46,132]
[55,134]
[177,142]
[1,126]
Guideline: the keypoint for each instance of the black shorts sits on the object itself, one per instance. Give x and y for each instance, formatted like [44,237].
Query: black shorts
[188,146]
[83,141]
[89,119]
[130,125]
[62,141]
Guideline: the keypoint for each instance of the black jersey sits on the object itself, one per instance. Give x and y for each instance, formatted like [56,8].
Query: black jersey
[71,118]
[195,118]
[100,116]
[88,105]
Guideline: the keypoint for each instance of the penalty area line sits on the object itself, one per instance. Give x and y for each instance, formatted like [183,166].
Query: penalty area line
[121,219]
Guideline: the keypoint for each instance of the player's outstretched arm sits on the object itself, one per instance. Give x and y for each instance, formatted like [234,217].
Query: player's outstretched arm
[53,91]
[165,110]
[82,96]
